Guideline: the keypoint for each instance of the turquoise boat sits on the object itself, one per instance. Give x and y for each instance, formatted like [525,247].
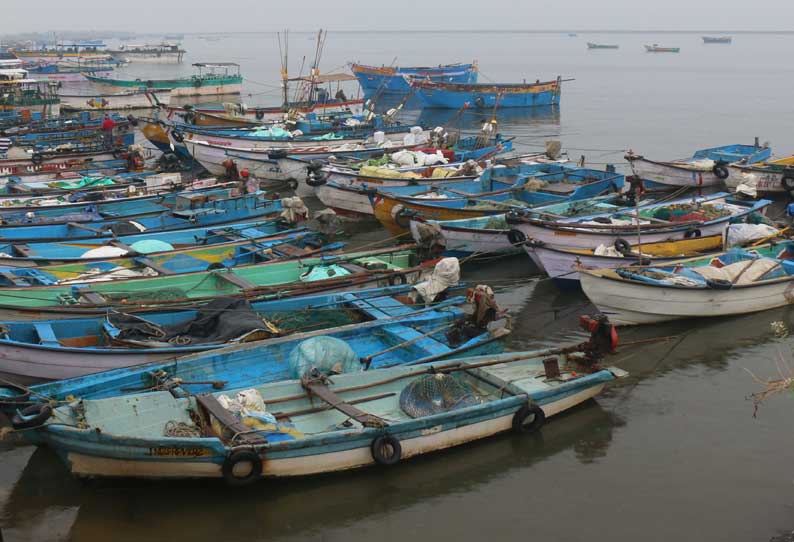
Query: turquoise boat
[219,78]
[18,254]
[190,211]
[314,424]
[487,95]
[369,320]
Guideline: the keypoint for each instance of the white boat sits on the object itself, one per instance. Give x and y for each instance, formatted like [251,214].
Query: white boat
[132,99]
[575,234]
[706,167]
[772,176]
[481,235]
[730,283]
[161,53]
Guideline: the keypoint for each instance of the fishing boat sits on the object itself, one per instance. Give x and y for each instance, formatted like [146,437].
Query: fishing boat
[160,53]
[376,80]
[348,271]
[369,320]
[35,254]
[739,281]
[591,45]
[63,50]
[346,190]
[190,211]
[56,72]
[563,265]
[768,176]
[706,167]
[220,78]
[52,157]
[717,39]
[72,170]
[318,424]
[129,99]
[490,234]
[30,98]
[679,219]
[497,191]
[487,95]
[110,267]
[655,48]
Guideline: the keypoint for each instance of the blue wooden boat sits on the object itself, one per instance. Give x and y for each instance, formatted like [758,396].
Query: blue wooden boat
[392,80]
[369,321]
[505,189]
[24,173]
[112,207]
[487,96]
[317,424]
[33,254]
[187,214]
[129,265]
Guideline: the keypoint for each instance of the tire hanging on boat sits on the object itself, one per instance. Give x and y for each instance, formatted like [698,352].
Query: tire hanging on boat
[531,413]
[787,181]
[516,237]
[237,457]
[720,170]
[622,246]
[692,232]
[386,450]
[37,159]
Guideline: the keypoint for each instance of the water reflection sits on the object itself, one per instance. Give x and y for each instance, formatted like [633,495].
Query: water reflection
[134,510]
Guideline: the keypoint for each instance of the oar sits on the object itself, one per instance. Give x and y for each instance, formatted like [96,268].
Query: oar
[367,360]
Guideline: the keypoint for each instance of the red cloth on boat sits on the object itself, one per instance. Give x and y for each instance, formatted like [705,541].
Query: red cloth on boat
[108,124]
[449,154]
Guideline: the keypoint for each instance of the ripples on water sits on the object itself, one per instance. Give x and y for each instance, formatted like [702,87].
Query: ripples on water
[668,452]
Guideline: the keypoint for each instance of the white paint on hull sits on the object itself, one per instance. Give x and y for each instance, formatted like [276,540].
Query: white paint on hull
[630,303]
[430,441]
[674,176]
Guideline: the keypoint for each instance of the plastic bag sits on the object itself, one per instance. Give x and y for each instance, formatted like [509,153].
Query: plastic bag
[328,355]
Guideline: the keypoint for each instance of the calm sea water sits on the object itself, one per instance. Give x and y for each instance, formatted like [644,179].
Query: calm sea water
[671,453]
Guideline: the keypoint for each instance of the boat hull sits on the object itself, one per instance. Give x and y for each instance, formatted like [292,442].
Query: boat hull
[670,175]
[633,303]
[121,100]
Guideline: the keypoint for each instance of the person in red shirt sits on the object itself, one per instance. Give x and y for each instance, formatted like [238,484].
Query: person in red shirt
[107,131]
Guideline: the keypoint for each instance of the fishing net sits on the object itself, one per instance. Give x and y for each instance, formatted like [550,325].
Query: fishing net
[328,355]
[437,393]
[161,294]
[319,318]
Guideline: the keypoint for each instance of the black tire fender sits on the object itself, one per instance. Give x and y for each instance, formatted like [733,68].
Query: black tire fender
[720,170]
[31,416]
[398,279]
[259,114]
[516,237]
[292,184]
[719,284]
[479,101]
[622,246]
[37,159]
[386,450]
[316,178]
[528,412]
[235,458]
[692,232]
[276,154]
[787,181]
[403,218]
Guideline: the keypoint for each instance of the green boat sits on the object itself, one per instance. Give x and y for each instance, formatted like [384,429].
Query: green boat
[212,79]
[367,269]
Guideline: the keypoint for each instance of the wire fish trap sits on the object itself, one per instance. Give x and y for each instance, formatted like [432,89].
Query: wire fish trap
[437,393]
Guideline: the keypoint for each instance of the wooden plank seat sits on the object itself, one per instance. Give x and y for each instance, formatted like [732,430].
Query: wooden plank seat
[234,430]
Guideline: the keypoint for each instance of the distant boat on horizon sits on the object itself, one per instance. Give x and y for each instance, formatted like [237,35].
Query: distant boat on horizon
[591,45]
[717,39]
[656,48]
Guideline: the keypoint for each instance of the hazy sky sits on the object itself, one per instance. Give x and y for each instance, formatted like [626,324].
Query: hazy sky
[267,15]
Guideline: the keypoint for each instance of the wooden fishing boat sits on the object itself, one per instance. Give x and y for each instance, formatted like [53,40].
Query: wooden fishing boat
[591,45]
[71,170]
[487,95]
[129,99]
[121,206]
[511,188]
[717,39]
[407,411]
[563,265]
[369,321]
[678,219]
[35,254]
[283,246]
[738,281]
[491,234]
[63,74]
[387,80]
[190,212]
[221,78]
[29,98]
[659,49]
[161,53]
[768,177]
[706,167]
[348,271]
